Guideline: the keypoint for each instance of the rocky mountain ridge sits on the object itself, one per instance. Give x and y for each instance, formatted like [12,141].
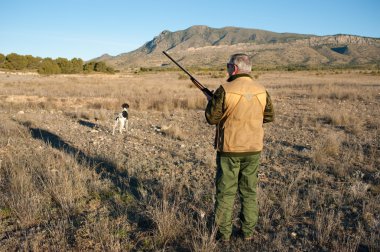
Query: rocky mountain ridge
[212,46]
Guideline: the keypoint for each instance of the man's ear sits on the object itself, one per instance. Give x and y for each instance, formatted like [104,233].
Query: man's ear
[236,70]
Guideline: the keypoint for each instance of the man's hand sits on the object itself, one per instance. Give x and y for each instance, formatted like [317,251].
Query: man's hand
[208,96]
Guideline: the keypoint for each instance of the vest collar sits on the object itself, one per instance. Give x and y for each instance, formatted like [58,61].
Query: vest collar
[234,77]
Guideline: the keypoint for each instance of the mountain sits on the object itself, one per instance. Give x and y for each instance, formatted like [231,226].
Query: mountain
[104,57]
[211,47]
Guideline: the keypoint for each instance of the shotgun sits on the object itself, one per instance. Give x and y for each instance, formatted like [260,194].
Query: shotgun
[205,90]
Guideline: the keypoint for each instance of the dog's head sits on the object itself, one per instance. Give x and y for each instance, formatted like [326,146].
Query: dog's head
[125,105]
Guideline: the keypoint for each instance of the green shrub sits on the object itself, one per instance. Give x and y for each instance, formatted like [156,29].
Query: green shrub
[16,62]
[49,66]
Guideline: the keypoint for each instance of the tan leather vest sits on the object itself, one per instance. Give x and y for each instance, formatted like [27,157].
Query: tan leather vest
[241,127]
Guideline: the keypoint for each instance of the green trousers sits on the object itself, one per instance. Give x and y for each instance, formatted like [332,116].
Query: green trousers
[236,173]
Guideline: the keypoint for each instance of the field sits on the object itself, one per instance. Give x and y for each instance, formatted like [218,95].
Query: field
[67,183]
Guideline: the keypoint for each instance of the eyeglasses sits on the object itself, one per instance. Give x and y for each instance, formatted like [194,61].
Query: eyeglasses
[230,65]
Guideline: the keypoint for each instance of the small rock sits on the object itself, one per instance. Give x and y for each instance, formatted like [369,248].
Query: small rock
[21,112]
[166,127]
[202,214]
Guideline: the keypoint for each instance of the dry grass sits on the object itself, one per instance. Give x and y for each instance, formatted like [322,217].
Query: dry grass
[170,222]
[67,184]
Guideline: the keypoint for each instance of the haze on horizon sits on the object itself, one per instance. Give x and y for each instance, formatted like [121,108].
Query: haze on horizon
[88,29]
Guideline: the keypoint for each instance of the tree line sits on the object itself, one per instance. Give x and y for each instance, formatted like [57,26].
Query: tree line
[15,61]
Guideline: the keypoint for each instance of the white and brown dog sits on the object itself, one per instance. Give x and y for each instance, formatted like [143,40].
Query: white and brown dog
[121,119]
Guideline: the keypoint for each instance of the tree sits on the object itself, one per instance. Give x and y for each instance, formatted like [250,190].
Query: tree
[65,65]
[97,67]
[89,67]
[77,65]
[33,62]
[2,60]
[100,67]
[49,66]
[15,61]
[110,70]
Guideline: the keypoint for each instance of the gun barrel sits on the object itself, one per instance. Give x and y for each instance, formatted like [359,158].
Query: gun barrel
[195,81]
[175,62]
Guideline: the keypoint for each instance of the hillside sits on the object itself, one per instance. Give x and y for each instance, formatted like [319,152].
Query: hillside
[212,46]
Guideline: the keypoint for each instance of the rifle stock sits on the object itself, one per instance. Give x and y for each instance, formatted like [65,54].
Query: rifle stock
[205,90]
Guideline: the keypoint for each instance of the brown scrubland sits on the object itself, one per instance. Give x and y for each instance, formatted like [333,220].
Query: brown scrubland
[66,183]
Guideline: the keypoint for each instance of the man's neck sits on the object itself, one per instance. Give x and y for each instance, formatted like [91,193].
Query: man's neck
[238,75]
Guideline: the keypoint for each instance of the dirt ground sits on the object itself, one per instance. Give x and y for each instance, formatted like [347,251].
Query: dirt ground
[67,183]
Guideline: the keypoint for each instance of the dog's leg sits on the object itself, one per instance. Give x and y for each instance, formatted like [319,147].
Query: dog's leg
[122,122]
[126,125]
[114,126]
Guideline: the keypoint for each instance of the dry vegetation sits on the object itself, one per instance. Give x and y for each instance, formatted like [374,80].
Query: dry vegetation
[67,184]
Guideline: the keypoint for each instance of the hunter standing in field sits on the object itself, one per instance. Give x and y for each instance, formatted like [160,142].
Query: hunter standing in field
[238,108]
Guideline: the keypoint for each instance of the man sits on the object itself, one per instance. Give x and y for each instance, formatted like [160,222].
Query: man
[238,108]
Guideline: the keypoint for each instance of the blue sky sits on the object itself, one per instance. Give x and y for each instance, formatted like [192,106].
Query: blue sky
[90,28]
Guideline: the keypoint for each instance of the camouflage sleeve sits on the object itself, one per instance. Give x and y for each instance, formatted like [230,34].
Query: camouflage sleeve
[214,109]
[268,111]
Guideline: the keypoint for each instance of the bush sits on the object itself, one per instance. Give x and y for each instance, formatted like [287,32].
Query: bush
[65,65]
[49,66]
[2,60]
[100,67]
[33,62]
[16,62]
[77,65]
[89,67]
